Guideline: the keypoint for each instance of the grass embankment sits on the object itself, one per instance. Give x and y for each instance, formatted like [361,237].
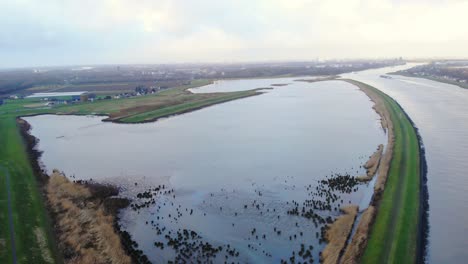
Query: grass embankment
[394,234]
[32,234]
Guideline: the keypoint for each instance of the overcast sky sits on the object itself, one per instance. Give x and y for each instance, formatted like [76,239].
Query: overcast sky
[65,32]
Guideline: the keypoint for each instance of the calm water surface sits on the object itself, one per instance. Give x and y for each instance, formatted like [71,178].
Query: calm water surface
[440,111]
[235,168]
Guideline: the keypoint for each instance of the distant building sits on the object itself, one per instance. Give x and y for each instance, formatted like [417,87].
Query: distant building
[84,97]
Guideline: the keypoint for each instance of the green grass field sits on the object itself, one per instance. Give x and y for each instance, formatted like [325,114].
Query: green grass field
[393,237]
[183,108]
[32,234]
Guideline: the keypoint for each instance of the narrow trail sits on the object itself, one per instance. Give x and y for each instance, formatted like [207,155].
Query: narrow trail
[10,214]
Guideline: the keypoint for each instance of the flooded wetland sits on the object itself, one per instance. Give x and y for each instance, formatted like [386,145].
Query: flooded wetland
[253,180]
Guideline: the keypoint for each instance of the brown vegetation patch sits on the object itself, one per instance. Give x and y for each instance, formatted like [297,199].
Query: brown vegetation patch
[387,125]
[372,164]
[337,235]
[359,241]
[355,249]
[85,230]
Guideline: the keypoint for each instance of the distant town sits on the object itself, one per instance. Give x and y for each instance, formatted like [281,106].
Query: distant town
[134,80]
[453,72]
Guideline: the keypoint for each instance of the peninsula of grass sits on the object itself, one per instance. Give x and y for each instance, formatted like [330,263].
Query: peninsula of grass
[138,109]
[395,234]
[189,106]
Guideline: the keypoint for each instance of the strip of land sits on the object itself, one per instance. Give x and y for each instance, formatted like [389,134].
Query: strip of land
[33,238]
[170,102]
[393,236]
[318,79]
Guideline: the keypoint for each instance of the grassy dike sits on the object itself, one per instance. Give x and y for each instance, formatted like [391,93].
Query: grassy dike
[30,228]
[395,234]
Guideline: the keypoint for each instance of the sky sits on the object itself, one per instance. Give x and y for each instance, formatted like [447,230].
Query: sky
[79,32]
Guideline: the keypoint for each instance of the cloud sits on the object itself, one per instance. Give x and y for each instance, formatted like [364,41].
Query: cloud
[124,31]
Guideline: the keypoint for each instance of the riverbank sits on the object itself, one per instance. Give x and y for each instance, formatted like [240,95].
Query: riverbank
[442,80]
[400,196]
[83,217]
[378,161]
[337,234]
[372,165]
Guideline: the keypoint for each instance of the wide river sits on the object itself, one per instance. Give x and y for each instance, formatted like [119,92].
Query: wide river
[236,168]
[440,111]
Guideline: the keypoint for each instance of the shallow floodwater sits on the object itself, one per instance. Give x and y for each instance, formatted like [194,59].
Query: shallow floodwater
[231,172]
[440,111]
